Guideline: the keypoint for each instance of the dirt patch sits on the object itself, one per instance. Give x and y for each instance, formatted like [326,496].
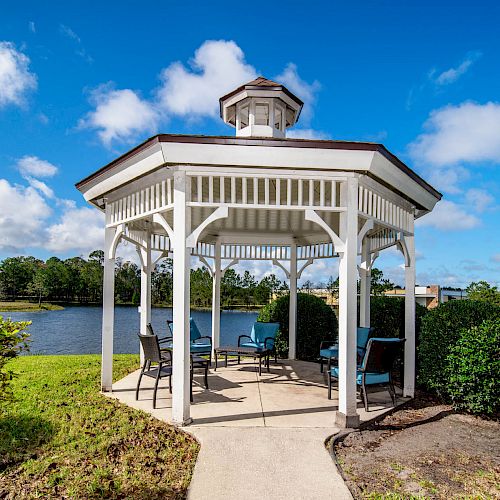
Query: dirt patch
[423,450]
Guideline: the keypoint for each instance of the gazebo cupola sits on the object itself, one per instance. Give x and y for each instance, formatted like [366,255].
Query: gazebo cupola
[260,108]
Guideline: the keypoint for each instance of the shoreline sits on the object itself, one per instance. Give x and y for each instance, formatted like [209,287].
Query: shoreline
[24,306]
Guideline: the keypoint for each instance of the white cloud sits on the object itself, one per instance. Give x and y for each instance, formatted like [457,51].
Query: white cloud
[119,115]
[495,257]
[306,133]
[469,132]
[32,27]
[35,167]
[449,216]
[304,91]
[448,179]
[80,50]
[453,74]
[218,67]
[22,216]
[40,186]
[479,199]
[15,77]
[78,229]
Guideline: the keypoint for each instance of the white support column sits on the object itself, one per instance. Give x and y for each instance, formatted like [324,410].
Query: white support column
[108,310]
[216,279]
[409,371]
[292,324]
[365,274]
[145,308]
[347,415]
[181,270]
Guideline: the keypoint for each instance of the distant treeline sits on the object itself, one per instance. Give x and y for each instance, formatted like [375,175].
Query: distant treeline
[80,280]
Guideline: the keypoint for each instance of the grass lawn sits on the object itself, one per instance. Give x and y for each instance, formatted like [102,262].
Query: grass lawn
[61,438]
[6,306]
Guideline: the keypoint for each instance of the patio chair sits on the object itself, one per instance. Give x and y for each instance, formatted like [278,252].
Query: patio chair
[163,359]
[199,344]
[375,369]
[329,351]
[263,336]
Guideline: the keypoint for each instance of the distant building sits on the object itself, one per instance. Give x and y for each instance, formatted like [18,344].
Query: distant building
[428,296]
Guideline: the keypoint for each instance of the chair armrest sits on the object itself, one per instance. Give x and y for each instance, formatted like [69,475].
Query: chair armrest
[203,337]
[243,336]
[165,339]
[166,355]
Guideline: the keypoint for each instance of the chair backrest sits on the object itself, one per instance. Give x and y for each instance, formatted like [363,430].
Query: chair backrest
[194,332]
[362,336]
[381,354]
[150,347]
[262,331]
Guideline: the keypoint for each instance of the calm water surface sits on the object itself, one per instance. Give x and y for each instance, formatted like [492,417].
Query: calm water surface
[77,330]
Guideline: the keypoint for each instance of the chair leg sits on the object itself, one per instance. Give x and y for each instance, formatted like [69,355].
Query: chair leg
[139,381]
[206,377]
[363,390]
[329,385]
[170,384]
[191,386]
[321,365]
[156,386]
[392,391]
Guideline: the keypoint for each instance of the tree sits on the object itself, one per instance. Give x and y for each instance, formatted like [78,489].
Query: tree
[483,291]
[333,287]
[308,286]
[378,284]
[38,285]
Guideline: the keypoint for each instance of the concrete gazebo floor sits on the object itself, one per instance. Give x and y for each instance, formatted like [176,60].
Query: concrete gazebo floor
[292,395]
[261,436]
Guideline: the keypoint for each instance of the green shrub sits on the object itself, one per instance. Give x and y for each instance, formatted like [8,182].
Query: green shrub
[13,340]
[440,332]
[316,321]
[474,363]
[387,316]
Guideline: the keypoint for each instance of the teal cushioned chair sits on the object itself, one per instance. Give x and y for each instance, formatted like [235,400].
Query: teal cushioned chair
[263,336]
[375,368]
[327,350]
[199,344]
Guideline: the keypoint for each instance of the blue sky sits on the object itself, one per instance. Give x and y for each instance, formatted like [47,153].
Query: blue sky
[81,82]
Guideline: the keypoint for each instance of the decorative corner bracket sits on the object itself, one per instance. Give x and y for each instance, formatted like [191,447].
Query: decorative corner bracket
[312,216]
[220,213]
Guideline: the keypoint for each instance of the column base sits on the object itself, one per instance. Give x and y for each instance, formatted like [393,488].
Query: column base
[183,423]
[408,392]
[346,421]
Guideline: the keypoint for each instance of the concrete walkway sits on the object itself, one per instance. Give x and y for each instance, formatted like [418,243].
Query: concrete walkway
[261,437]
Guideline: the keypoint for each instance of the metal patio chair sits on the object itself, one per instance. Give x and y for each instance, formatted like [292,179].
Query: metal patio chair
[376,367]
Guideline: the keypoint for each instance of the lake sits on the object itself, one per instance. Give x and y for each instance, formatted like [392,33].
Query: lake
[77,330]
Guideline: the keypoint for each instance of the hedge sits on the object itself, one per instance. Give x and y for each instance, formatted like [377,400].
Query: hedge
[316,321]
[474,363]
[387,316]
[440,331]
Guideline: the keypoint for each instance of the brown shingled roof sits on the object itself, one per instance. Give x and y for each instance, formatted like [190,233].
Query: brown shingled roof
[261,82]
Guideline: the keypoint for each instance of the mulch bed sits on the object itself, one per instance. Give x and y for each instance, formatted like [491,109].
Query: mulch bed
[423,449]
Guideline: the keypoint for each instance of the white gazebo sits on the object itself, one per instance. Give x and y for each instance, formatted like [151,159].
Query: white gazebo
[259,196]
